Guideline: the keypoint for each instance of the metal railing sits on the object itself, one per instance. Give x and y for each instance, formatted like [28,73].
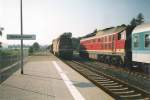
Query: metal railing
[8,60]
[9,64]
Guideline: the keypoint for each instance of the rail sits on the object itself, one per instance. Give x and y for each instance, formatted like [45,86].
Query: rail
[116,88]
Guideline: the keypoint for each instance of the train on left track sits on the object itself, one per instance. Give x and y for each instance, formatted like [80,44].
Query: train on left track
[62,47]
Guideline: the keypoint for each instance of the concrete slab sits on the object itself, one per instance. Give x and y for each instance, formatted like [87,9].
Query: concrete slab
[42,81]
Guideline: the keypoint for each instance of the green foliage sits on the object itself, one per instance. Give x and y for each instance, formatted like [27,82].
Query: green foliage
[48,47]
[8,52]
[138,20]
[34,48]
[133,22]
[8,57]
[31,50]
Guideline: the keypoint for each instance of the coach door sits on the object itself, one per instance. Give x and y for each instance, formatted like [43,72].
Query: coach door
[113,43]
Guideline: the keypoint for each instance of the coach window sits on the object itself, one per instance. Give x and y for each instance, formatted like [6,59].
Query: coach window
[147,41]
[102,39]
[93,40]
[136,41]
[121,36]
[105,39]
[109,38]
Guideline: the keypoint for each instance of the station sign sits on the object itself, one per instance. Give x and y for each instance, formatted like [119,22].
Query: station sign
[19,37]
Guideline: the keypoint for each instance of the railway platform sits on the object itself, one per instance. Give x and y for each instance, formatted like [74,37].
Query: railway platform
[48,78]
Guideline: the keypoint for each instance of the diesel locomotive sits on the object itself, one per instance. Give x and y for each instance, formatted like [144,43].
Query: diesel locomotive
[62,47]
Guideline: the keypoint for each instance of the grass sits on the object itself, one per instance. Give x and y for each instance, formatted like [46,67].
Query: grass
[8,57]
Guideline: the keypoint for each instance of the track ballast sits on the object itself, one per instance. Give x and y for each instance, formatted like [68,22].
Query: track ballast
[113,86]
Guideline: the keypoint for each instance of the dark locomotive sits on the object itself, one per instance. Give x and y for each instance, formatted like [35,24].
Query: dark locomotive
[62,47]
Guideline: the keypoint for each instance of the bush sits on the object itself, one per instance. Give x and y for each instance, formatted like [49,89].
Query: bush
[9,52]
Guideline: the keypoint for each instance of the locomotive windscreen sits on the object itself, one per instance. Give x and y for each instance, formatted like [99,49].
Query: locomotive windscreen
[66,43]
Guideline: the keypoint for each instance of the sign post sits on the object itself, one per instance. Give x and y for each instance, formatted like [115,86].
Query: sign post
[21,37]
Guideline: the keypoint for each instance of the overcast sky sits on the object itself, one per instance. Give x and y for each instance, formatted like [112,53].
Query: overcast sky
[50,18]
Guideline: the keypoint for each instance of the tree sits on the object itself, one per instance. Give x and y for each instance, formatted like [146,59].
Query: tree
[36,46]
[31,50]
[133,22]
[140,19]
[48,47]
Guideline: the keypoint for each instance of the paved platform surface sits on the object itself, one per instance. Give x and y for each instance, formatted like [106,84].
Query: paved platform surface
[47,78]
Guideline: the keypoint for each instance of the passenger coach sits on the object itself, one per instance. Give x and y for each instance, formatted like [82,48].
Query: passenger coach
[141,47]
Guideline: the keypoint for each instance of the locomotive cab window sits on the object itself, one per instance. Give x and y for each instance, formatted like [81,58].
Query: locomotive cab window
[136,41]
[121,36]
[147,41]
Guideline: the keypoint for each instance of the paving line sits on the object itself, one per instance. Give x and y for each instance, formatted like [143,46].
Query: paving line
[73,90]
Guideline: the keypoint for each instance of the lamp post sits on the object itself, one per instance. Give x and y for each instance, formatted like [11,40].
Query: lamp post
[21,23]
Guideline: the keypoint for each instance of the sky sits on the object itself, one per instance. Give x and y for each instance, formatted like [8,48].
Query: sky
[47,19]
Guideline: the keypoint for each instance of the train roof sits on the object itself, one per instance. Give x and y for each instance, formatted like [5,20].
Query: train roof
[107,31]
[111,30]
[141,28]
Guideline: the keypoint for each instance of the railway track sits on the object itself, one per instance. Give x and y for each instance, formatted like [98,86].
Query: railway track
[116,88]
[135,73]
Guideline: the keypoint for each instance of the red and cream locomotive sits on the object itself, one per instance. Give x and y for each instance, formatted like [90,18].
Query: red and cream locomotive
[111,45]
